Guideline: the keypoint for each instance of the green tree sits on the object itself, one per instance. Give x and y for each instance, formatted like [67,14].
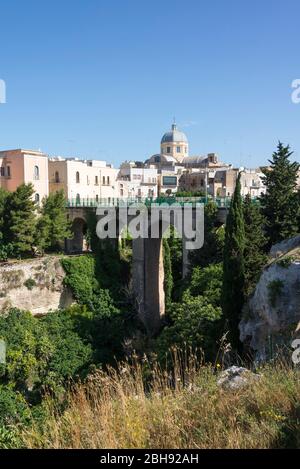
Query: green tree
[212,250]
[6,248]
[4,195]
[233,267]
[255,243]
[20,217]
[53,226]
[196,320]
[280,203]
[42,353]
[207,282]
[194,323]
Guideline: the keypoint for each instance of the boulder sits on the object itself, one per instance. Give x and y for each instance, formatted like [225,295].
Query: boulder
[236,377]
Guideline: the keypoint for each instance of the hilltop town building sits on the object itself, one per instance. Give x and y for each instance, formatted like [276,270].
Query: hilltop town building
[22,167]
[88,180]
[163,173]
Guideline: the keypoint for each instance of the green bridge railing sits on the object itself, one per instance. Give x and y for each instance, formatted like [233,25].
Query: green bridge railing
[221,202]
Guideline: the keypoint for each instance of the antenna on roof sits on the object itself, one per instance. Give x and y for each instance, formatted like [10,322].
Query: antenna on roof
[174,126]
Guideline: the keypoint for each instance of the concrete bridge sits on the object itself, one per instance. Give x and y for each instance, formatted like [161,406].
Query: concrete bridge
[147,252]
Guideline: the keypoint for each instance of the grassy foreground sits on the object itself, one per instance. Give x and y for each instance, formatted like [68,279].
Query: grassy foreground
[187,410]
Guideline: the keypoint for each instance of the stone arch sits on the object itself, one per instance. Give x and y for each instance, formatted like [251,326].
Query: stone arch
[78,243]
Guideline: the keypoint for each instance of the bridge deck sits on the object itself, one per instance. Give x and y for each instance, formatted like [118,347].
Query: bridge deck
[221,202]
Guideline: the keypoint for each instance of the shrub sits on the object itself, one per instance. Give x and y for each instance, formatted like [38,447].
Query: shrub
[285,262]
[6,251]
[30,283]
[80,276]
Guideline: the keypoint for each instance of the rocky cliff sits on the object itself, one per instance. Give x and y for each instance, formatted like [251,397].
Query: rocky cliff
[35,285]
[271,317]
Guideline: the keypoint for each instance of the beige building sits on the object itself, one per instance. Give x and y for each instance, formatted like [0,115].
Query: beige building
[137,180]
[83,180]
[221,182]
[22,167]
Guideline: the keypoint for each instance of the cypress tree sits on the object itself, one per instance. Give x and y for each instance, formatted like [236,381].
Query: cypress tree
[168,281]
[20,217]
[233,267]
[280,203]
[255,243]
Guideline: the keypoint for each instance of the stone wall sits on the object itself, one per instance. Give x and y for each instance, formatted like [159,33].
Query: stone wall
[35,285]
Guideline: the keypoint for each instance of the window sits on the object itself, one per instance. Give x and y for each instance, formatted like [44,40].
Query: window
[97,198]
[96,180]
[37,198]
[178,149]
[56,176]
[168,149]
[103,180]
[77,198]
[201,183]
[77,178]
[2,173]
[8,171]
[169,181]
[36,173]
[108,180]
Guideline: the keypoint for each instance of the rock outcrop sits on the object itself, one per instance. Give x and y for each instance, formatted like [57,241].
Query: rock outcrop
[236,377]
[271,317]
[35,285]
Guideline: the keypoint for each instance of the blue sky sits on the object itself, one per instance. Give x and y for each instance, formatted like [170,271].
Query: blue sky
[103,78]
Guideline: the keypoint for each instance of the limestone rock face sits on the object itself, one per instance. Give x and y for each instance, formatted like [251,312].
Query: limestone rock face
[35,285]
[272,314]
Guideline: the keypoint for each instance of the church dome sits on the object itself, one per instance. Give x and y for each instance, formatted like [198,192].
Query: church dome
[174,136]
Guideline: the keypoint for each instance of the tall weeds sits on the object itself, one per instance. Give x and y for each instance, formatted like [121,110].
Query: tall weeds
[139,405]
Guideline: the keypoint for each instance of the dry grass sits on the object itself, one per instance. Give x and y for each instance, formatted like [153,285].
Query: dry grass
[186,410]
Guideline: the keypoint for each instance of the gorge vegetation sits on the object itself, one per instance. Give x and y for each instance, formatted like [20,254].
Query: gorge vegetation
[89,376]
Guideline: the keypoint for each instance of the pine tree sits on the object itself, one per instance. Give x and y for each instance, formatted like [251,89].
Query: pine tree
[20,217]
[233,267]
[280,203]
[53,226]
[255,243]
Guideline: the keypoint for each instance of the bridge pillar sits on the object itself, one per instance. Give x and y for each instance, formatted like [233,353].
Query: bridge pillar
[185,260]
[148,281]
